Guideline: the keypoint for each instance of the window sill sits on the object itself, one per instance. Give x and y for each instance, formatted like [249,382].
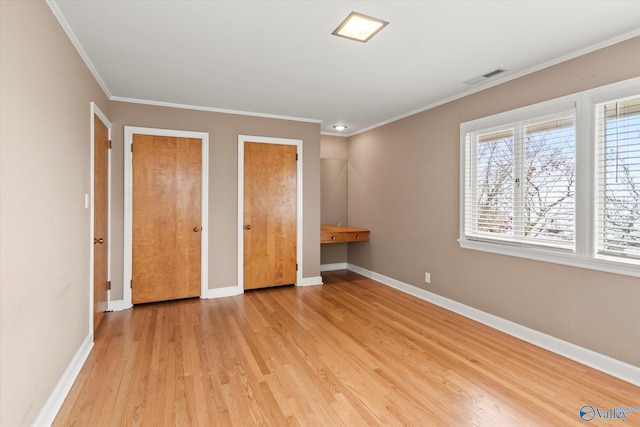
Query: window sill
[599,263]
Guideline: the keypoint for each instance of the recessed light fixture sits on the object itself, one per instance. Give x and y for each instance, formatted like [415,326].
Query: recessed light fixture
[340,127]
[359,27]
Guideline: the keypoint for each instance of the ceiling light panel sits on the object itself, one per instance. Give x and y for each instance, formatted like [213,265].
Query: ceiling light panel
[359,27]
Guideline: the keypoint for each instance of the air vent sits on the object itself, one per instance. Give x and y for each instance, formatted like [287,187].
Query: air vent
[484,77]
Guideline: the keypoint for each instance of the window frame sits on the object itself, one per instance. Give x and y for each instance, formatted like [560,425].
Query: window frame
[518,132]
[585,203]
[601,187]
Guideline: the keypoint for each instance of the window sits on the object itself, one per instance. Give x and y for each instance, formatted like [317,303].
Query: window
[557,181]
[520,182]
[618,137]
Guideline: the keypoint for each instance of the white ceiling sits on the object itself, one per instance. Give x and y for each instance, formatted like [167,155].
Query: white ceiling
[279,57]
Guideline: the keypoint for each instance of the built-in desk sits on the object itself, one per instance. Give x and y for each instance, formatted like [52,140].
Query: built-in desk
[335,234]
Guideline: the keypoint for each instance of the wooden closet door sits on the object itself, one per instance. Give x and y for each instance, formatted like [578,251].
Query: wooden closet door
[166,220]
[270,215]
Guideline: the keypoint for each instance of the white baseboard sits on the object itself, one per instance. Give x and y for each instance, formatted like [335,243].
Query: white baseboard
[227,291]
[595,360]
[56,398]
[235,290]
[311,281]
[333,267]
[118,305]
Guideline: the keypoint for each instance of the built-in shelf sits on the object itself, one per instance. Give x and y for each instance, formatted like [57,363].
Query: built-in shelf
[334,234]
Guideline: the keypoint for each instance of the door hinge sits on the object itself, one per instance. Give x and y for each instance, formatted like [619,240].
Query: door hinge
[296,156]
[131,283]
[132,147]
[109,144]
[296,266]
[109,285]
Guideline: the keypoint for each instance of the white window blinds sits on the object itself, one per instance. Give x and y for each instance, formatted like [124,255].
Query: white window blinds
[520,182]
[557,181]
[618,189]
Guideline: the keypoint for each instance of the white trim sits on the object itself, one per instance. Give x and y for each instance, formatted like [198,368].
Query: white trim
[129,131]
[341,135]
[95,110]
[539,110]
[211,109]
[53,404]
[311,281]
[598,263]
[595,360]
[228,291]
[333,267]
[118,305]
[127,252]
[204,213]
[299,229]
[76,43]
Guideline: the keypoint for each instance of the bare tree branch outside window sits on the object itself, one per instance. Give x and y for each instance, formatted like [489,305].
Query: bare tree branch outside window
[536,191]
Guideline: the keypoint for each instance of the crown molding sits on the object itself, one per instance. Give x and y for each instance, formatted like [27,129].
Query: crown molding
[506,78]
[76,43]
[211,109]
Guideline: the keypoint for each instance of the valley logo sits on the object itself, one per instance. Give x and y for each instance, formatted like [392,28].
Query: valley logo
[589,413]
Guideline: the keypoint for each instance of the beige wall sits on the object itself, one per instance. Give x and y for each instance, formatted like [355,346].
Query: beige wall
[404,186]
[223,130]
[44,174]
[334,148]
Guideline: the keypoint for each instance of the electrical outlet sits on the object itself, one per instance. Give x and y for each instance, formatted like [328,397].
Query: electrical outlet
[427,277]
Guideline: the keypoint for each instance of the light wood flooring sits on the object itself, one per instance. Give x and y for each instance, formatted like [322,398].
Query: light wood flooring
[350,353]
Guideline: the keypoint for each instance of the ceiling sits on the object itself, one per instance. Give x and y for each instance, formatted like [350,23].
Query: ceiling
[278,58]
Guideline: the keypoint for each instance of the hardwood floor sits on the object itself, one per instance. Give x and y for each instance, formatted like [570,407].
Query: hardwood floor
[352,352]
